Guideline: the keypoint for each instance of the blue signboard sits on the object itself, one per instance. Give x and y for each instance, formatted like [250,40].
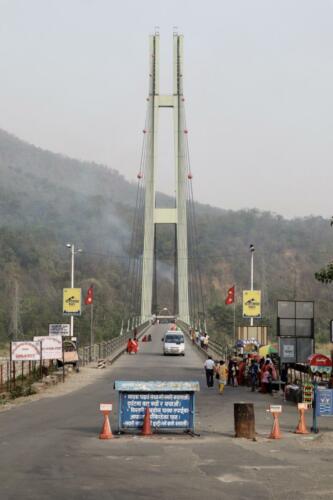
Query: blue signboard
[171,404]
[324,402]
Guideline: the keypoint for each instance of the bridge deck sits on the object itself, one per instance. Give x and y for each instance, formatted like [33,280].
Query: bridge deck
[50,447]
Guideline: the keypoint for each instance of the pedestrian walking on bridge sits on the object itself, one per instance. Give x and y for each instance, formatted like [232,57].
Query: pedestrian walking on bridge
[206,341]
[209,368]
[222,371]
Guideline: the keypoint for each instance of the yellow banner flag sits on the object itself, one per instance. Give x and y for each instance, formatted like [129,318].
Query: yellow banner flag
[251,304]
[71,303]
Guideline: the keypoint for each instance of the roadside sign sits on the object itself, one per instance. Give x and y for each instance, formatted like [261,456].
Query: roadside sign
[171,404]
[25,351]
[251,304]
[71,304]
[308,394]
[51,347]
[105,407]
[63,329]
[275,408]
[324,402]
[288,351]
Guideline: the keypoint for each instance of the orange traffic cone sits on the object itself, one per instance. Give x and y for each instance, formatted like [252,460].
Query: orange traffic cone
[106,432]
[146,429]
[301,427]
[275,434]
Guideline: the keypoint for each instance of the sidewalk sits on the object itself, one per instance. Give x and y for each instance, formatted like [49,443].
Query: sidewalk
[215,412]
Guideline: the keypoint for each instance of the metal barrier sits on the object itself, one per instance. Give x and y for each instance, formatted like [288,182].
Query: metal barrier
[214,347]
[11,372]
[88,354]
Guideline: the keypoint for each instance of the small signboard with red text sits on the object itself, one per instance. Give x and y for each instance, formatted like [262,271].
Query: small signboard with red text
[25,351]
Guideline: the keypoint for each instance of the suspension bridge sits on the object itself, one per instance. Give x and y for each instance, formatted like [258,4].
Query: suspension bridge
[50,446]
[186,301]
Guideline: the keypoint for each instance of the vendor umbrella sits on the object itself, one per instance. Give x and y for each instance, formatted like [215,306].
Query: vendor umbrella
[266,350]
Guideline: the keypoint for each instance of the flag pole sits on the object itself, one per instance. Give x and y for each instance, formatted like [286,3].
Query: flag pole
[92,341]
[235,320]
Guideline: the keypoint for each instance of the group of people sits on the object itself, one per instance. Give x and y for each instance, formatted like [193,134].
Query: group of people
[243,371]
[217,369]
[200,338]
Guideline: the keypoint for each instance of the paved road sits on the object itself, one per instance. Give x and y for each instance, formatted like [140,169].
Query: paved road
[50,448]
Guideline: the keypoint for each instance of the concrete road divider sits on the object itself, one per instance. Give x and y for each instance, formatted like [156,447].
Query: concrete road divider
[101,363]
[244,421]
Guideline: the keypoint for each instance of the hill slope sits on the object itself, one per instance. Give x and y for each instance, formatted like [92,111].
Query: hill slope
[48,199]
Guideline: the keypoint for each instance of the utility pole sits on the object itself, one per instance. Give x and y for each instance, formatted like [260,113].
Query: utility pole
[73,252]
[15,327]
[252,249]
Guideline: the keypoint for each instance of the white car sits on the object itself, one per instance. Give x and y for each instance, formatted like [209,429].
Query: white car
[173,343]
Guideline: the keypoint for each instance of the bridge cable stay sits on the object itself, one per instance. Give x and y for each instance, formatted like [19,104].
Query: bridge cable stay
[134,271]
[196,295]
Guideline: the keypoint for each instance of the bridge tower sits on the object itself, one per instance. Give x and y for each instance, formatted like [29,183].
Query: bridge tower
[177,215]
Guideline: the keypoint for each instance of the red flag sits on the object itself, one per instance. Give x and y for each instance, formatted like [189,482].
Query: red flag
[230,299]
[90,296]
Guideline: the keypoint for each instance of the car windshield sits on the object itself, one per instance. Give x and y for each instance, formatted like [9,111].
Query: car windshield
[177,339]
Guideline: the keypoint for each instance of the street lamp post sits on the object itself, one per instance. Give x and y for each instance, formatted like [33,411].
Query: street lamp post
[252,249]
[73,252]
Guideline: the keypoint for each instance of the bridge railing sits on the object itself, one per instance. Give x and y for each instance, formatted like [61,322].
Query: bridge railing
[214,348]
[106,349]
[12,371]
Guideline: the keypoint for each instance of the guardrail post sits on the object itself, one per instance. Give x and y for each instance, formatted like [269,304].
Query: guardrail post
[14,375]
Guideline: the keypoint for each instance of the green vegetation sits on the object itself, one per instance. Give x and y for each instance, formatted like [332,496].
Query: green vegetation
[47,200]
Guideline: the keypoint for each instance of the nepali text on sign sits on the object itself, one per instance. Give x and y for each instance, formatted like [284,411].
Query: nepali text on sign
[166,410]
[63,329]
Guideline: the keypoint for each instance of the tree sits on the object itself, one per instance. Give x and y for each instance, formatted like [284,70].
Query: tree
[325,275]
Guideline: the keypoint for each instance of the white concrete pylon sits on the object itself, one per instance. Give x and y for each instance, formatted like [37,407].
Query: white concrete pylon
[177,215]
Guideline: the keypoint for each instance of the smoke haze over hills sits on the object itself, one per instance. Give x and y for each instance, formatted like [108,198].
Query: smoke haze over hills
[47,199]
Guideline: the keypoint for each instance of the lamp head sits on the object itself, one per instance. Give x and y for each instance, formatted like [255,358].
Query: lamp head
[68,245]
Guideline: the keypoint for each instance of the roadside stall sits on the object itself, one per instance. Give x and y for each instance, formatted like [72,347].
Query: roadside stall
[302,376]
[247,346]
[270,350]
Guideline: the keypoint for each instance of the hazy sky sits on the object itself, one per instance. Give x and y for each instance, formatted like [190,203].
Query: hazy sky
[258,84]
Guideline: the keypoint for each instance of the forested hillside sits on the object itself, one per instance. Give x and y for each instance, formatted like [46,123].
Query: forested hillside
[47,200]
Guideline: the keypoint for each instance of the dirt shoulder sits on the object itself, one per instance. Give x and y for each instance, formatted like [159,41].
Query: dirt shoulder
[73,381]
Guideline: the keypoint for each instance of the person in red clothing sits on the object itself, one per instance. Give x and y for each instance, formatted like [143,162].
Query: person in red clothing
[264,376]
[129,346]
[240,374]
[135,346]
